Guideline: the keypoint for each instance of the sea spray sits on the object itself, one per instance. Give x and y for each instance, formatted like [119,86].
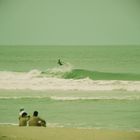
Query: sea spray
[58,71]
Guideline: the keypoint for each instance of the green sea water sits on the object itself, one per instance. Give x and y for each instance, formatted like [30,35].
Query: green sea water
[110,110]
[114,59]
[98,86]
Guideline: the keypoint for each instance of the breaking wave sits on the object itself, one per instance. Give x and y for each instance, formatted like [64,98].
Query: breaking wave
[67,78]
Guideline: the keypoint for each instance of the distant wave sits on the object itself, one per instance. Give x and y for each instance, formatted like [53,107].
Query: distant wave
[96,75]
[67,72]
[67,78]
[75,98]
[23,97]
[96,98]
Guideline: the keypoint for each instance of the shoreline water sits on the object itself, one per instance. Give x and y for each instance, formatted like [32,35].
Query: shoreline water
[79,109]
[56,125]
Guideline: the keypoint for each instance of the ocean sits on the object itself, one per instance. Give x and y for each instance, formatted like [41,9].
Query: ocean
[96,87]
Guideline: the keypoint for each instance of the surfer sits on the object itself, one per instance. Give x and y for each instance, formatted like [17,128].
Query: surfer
[59,62]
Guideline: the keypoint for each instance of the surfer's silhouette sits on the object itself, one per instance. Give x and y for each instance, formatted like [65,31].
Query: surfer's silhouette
[59,62]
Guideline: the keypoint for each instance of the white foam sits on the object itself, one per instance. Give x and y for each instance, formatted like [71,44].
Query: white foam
[67,67]
[73,98]
[66,98]
[34,81]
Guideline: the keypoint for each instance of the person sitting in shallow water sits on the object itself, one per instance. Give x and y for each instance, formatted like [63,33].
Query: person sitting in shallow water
[36,121]
[23,119]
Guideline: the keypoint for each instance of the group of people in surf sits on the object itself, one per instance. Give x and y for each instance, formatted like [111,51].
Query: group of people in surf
[27,120]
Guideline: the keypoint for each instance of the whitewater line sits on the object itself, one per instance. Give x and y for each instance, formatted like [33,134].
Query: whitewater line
[43,83]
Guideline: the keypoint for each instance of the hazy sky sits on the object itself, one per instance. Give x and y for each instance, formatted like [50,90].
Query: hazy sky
[69,22]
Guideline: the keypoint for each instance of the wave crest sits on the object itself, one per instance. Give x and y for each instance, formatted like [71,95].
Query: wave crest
[38,80]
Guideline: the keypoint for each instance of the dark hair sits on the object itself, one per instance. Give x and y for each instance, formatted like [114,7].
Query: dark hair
[24,114]
[35,113]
